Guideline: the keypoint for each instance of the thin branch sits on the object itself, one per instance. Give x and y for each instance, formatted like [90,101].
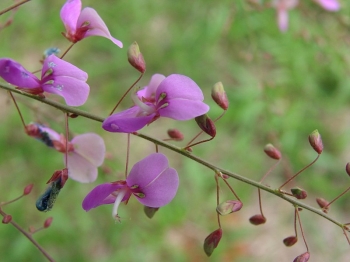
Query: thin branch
[13,7]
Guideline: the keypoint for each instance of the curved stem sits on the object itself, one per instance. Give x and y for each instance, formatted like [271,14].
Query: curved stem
[180,151]
[18,110]
[13,6]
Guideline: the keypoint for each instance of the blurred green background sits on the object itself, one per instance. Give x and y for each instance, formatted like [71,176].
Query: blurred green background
[281,87]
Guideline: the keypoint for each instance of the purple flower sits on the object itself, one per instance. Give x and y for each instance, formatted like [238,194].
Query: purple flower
[329,5]
[176,96]
[282,7]
[83,23]
[151,181]
[86,152]
[57,77]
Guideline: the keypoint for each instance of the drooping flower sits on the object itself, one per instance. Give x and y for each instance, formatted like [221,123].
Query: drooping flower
[151,181]
[80,24]
[57,77]
[176,96]
[86,152]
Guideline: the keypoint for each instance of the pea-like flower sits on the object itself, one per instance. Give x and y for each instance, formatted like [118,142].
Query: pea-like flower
[57,77]
[151,181]
[86,152]
[176,96]
[80,24]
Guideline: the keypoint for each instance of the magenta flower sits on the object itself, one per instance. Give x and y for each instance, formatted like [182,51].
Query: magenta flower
[83,23]
[151,181]
[329,5]
[176,96]
[86,152]
[57,77]
[282,7]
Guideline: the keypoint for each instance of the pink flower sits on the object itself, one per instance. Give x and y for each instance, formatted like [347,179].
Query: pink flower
[329,5]
[176,96]
[83,23]
[282,7]
[57,77]
[86,152]
[151,181]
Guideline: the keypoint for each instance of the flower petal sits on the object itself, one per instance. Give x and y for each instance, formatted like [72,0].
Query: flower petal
[80,169]
[330,5]
[96,25]
[15,74]
[100,195]
[149,91]
[126,121]
[52,134]
[183,109]
[69,15]
[91,147]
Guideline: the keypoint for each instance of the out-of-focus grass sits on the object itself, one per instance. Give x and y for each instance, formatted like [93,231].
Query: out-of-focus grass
[281,87]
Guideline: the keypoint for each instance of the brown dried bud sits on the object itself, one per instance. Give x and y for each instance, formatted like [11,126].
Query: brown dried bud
[316,141]
[302,258]
[7,219]
[323,204]
[347,168]
[175,134]
[212,241]
[28,189]
[48,222]
[31,229]
[257,219]
[206,124]
[135,58]
[290,241]
[229,207]
[272,152]
[150,211]
[299,193]
[219,95]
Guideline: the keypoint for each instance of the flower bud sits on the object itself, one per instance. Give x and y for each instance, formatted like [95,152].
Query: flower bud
[206,124]
[229,207]
[316,141]
[7,219]
[290,241]
[48,222]
[347,168]
[150,211]
[212,241]
[219,95]
[175,134]
[135,58]
[257,219]
[323,204]
[272,152]
[302,258]
[299,193]
[28,189]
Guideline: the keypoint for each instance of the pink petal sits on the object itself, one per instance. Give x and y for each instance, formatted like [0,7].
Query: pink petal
[100,196]
[91,147]
[282,19]
[96,25]
[183,109]
[330,5]
[149,91]
[53,135]
[80,169]
[126,121]
[69,15]
[15,74]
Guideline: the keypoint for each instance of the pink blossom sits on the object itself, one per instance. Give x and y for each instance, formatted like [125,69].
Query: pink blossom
[282,7]
[176,96]
[329,5]
[57,77]
[151,181]
[86,152]
[83,23]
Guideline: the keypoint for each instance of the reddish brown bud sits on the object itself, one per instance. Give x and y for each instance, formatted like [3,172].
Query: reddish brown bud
[150,211]
[272,152]
[323,204]
[219,95]
[135,58]
[175,134]
[347,168]
[206,124]
[7,219]
[257,219]
[212,241]
[48,222]
[302,258]
[316,141]
[229,207]
[299,193]
[73,115]
[290,241]
[28,189]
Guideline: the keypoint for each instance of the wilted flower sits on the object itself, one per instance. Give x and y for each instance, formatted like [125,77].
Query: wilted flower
[212,241]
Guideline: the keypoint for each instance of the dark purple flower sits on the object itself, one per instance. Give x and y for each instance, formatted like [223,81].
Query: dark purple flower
[83,23]
[151,181]
[176,96]
[57,77]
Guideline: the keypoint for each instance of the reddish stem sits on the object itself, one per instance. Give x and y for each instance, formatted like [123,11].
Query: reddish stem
[301,228]
[127,156]
[269,171]
[336,198]
[69,48]
[260,205]
[66,116]
[18,110]
[13,6]
[217,198]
